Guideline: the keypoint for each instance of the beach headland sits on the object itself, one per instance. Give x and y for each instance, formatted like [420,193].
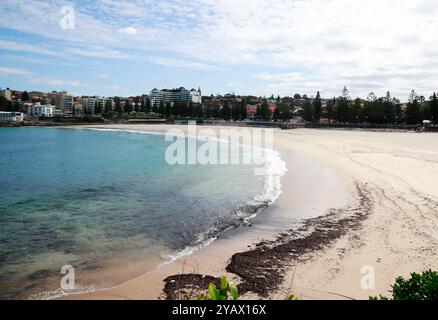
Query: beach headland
[364,199]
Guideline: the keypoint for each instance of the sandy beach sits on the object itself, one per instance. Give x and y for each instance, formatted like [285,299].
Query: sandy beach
[365,198]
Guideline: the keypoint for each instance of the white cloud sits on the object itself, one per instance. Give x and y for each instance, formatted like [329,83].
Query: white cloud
[374,46]
[11,45]
[98,51]
[58,82]
[180,63]
[130,31]
[290,76]
[14,71]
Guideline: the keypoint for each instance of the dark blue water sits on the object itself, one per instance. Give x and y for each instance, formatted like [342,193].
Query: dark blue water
[87,198]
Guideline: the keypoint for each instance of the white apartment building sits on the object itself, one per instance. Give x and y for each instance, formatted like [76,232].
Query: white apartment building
[40,110]
[174,95]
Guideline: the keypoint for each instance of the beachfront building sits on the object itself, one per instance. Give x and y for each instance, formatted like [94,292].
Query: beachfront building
[89,104]
[6,116]
[39,110]
[175,95]
[64,102]
[251,111]
[6,93]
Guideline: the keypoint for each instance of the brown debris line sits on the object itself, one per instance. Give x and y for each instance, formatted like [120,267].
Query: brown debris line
[187,286]
[261,270]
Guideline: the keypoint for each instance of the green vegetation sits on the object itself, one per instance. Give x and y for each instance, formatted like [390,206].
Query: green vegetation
[5,105]
[419,287]
[226,291]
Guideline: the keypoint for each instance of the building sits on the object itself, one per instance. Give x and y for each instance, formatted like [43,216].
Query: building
[64,102]
[251,109]
[11,116]
[174,95]
[36,96]
[6,93]
[89,104]
[40,110]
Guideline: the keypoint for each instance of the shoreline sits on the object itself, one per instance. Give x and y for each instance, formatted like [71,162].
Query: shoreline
[331,270]
[266,225]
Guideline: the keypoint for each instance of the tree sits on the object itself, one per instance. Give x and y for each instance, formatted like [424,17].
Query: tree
[128,107]
[263,111]
[226,111]
[388,109]
[118,106]
[433,105]
[154,108]
[276,114]
[168,109]
[398,110]
[308,111]
[137,104]
[285,111]
[235,112]
[297,96]
[243,114]
[412,113]
[356,115]
[97,108]
[162,108]
[372,108]
[317,105]
[25,97]
[330,109]
[108,109]
[148,107]
[342,108]
[199,111]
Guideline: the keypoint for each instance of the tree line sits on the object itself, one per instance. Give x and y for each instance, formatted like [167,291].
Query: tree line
[383,110]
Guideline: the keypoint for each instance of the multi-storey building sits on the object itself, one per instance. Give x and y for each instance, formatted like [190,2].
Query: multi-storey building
[174,95]
[6,93]
[89,104]
[39,110]
[64,102]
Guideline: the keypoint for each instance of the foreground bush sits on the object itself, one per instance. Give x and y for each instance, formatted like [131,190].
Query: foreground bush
[227,289]
[419,287]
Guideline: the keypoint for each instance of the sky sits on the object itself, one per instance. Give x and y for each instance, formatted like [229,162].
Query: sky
[280,47]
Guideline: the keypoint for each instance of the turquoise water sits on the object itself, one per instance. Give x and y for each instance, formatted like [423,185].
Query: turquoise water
[89,198]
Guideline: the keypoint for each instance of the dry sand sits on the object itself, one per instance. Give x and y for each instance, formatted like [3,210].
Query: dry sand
[398,170]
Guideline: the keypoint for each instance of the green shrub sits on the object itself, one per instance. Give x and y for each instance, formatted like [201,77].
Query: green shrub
[419,287]
[226,289]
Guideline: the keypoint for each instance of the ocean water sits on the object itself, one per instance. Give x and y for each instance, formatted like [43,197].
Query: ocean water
[97,199]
